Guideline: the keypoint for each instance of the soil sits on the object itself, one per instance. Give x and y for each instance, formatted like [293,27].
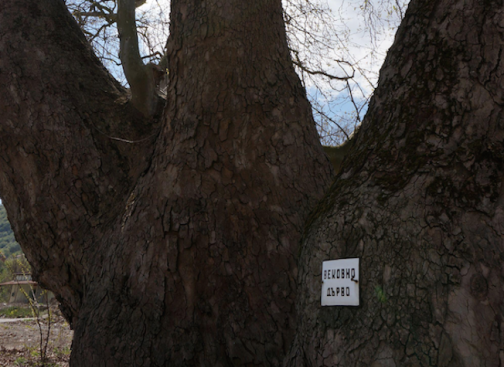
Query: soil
[20,341]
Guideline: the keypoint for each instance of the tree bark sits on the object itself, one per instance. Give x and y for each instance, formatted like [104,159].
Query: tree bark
[140,77]
[171,240]
[420,201]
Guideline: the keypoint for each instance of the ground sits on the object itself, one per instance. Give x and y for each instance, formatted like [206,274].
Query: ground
[20,341]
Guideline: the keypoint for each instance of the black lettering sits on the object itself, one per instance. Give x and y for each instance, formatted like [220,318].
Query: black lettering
[348,291]
[353,273]
[332,273]
[337,274]
[328,292]
[348,273]
[332,290]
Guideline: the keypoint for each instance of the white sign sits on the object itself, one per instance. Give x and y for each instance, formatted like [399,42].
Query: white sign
[340,282]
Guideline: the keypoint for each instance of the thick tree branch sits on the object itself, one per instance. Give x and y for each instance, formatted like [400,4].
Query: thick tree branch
[421,188]
[139,76]
[61,174]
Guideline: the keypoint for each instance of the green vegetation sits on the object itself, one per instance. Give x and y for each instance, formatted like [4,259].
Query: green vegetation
[20,361]
[16,312]
[8,267]
[10,254]
[63,351]
[8,244]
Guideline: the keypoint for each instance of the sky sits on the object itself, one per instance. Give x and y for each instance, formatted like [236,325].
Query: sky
[362,37]
[368,37]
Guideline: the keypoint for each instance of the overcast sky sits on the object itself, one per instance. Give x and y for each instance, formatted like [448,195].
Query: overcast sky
[365,45]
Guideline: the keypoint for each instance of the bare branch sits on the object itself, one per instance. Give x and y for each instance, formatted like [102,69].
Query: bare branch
[110,18]
[321,72]
[322,113]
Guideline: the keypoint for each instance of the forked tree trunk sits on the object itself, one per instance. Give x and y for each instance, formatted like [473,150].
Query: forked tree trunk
[170,242]
[420,200]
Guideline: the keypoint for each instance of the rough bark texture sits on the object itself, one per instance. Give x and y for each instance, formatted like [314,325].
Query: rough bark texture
[420,200]
[61,173]
[169,242]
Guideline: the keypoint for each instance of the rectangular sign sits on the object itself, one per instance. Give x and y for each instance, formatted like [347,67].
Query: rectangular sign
[340,282]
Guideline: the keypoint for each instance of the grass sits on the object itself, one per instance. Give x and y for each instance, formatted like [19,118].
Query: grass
[30,357]
[16,312]
[20,361]
[62,352]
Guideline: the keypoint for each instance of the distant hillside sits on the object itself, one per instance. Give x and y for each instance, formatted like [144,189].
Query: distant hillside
[8,244]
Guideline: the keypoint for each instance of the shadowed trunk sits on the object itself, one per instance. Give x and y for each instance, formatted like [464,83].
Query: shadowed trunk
[169,241]
[420,200]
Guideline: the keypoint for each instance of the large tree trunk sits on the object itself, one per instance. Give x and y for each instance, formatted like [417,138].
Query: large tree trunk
[172,241]
[420,201]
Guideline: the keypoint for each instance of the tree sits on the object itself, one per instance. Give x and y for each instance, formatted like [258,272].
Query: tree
[171,238]
[419,201]
[320,42]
